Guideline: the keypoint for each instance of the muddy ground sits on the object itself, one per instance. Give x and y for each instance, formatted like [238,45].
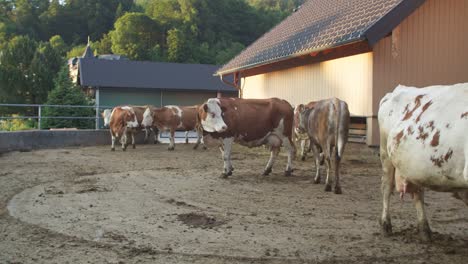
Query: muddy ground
[149,205]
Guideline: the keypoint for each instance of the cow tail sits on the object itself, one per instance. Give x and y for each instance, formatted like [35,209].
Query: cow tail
[338,146]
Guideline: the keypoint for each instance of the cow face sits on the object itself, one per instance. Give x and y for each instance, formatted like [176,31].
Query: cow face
[303,118]
[210,116]
[147,118]
[106,115]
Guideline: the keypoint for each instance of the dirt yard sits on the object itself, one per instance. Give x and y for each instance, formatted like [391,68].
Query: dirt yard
[148,205]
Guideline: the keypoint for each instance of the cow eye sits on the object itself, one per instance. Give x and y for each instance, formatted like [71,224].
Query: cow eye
[212,115]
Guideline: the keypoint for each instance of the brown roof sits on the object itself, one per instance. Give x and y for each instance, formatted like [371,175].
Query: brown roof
[322,24]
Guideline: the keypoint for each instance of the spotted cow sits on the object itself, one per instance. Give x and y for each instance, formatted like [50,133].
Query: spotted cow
[138,110]
[171,118]
[249,122]
[302,138]
[123,122]
[326,122]
[423,144]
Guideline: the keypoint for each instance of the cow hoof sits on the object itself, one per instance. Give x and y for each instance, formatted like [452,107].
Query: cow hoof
[338,190]
[186,142]
[224,175]
[134,147]
[124,149]
[288,173]
[266,172]
[425,232]
[316,180]
[156,142]
[386,228]
[205,148]
[303,158]
[328,188]
[195,147]
[170,148]
[112,149]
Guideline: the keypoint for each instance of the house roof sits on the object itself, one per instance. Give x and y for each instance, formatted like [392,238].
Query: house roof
[320,25]
[97,72]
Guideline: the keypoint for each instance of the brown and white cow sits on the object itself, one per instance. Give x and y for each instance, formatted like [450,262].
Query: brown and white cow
[171,118]
[122,123]
[249,122]
[423,143]
[327,125]
[138,110]
[302,138]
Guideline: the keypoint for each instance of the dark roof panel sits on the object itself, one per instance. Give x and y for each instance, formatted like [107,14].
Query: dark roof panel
[143,74]
[316,25]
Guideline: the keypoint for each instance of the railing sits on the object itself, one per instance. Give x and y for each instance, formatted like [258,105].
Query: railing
[40,117]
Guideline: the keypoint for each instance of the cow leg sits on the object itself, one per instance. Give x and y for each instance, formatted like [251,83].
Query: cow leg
[172,141]
[186,137]
[303,149]
[291,148]
[113,138]
[316,153]
[337,172]
[147,132]
[199,139]
[226,149]
[388,183]
[327,157]
[423,225]
[123,140]
[155,134]
[274,150]
[133,139]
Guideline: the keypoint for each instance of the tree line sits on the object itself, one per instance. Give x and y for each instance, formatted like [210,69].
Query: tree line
[37,36]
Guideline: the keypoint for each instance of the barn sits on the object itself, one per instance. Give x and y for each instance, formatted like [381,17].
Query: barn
[115,80]
[356,50]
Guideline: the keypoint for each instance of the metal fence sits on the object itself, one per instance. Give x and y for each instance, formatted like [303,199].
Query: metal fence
[41,117]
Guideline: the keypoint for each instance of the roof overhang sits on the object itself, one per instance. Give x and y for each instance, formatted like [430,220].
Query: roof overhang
[301,59]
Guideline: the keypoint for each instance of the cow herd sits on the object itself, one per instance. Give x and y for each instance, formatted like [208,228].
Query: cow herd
[423,137]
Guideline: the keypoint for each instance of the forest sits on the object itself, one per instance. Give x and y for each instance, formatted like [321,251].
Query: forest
[38,36]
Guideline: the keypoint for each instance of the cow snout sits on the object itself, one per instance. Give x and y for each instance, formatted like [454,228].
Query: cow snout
[223,128]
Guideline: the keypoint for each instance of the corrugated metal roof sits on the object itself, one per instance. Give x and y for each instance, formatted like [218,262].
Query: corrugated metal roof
[96,72]
[316,25]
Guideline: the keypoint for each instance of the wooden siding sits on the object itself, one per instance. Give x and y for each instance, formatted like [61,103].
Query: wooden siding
[348,78]
[429,47]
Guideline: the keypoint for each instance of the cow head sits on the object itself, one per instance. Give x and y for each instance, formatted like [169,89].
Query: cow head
[106,115]
[303,116]
[147,118]
[210,116]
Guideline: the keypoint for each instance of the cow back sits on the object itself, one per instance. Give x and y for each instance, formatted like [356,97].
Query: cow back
[252,119]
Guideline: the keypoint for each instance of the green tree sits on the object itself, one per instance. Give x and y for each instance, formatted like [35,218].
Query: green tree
[104,46]
[76,51]
[177,46]
[15,73]
[66,93]
[59,45]
[135,35]
[27,69]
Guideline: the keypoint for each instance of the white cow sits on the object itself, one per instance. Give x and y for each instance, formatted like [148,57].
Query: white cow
[423,143]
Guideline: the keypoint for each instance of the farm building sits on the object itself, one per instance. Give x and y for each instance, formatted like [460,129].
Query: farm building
[356,50]
[116,80]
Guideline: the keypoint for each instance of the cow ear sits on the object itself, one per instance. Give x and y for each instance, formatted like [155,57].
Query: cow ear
[205,108]
[300,107]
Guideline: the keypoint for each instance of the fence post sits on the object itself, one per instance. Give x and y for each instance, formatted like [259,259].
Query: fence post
[97,107]
[39,115]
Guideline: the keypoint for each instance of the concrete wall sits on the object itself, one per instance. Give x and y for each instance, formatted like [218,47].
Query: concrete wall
[39,139]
